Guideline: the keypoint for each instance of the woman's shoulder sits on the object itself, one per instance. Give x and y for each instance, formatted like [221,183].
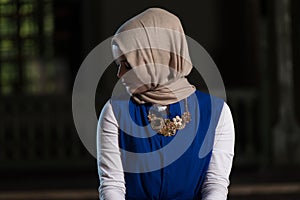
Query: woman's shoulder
[206,98]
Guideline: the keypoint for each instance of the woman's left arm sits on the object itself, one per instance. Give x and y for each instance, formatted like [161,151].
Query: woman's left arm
[112,184]
[215,186]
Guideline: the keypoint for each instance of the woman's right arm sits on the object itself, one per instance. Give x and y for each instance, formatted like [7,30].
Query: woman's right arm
[110,170]
[215,185]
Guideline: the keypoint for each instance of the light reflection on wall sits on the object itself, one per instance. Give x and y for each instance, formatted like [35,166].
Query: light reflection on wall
[27,64]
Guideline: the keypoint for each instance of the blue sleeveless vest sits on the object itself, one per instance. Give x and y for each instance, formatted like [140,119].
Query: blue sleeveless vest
[158,167]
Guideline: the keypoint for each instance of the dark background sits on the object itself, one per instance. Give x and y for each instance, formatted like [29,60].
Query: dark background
[44,42]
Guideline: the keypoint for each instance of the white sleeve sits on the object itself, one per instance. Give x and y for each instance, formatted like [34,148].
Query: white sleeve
[110,169]
[215,185]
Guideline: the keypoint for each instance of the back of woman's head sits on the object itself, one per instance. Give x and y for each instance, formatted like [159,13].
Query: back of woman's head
[154,45]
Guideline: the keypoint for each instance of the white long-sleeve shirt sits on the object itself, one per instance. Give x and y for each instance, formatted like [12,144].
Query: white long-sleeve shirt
[111,174]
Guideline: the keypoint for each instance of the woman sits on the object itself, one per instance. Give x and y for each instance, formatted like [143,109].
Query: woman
[166,140]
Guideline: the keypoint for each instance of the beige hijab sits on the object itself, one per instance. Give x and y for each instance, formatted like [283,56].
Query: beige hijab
[154,44]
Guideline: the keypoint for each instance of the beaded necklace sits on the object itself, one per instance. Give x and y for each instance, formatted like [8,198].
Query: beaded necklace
[168,127]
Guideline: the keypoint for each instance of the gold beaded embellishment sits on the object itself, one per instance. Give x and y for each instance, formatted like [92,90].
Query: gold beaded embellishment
[167,127]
